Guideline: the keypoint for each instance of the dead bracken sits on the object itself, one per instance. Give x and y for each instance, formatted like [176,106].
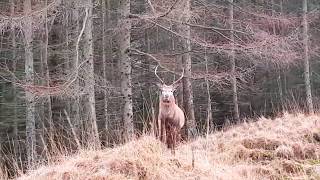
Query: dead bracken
[274,149]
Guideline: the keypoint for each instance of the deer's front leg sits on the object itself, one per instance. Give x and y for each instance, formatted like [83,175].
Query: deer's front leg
[174,139]
[179,138]
[163,131]
[159,128]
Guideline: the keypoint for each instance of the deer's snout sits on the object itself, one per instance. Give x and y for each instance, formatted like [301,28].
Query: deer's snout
[166,97]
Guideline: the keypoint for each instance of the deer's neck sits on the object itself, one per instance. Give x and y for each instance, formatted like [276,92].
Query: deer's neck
[167,109]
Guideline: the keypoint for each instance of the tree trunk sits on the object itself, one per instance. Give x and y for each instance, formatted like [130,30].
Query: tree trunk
[272,14]
[90,79]
[233,65]
[306,57]
[279,81]
[187,62]
[67,68]
[14,68]
[47,104]
[147,100]
[75,107]
[178,64]
[209,109]
[179,90]
[105,52]
[125,68]
[30,99]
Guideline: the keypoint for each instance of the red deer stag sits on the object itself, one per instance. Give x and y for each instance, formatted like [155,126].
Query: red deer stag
[171,117]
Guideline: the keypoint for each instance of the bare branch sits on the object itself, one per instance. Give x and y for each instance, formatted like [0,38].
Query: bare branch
[151,6]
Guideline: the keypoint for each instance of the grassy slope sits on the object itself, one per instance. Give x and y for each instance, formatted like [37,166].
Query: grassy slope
[284,148]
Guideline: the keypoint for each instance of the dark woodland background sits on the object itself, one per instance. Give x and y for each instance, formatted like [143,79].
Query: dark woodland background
[80,74]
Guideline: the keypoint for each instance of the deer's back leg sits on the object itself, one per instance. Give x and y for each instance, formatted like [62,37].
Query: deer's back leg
[179,139]
[174,139]
[169,134]
[163,133]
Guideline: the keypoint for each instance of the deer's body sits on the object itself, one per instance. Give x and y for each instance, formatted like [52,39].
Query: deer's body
[171,118]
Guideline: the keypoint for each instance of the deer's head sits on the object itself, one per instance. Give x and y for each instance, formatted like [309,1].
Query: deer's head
[166,95]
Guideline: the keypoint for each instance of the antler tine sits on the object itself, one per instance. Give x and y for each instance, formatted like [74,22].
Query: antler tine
[155,72]
[179,78]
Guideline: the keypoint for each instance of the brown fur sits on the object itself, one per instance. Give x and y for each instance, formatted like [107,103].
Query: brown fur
[171,119]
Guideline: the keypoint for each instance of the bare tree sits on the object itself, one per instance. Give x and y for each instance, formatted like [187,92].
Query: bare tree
[185,31]
[279,81]
[306,57]
[233,64]
[14,68]
[67,68]
[89,78]
[75,109]
[209,109]
[148,104]
[30,98]
[46,68]
[105,4]
[125,67]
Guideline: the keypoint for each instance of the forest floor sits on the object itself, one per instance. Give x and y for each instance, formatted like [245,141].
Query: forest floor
[286,147]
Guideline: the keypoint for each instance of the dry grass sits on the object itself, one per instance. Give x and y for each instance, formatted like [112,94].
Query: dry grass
[283,148]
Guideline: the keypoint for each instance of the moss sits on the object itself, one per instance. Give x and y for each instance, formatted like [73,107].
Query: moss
[314,161]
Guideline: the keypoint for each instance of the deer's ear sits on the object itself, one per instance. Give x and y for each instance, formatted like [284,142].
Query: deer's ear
[159,85]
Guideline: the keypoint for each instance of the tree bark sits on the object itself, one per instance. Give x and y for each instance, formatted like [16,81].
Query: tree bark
[30,98]
[75,107]
[187,63]
[125,67]
[47,104]
[14,68]
[106,51]
[147,100]
[90,79]
[209,108]
[279,81]
[233,65]
[67,66]
[306,58]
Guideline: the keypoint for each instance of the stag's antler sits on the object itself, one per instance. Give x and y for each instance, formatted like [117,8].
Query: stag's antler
[179,78]
[155,72]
